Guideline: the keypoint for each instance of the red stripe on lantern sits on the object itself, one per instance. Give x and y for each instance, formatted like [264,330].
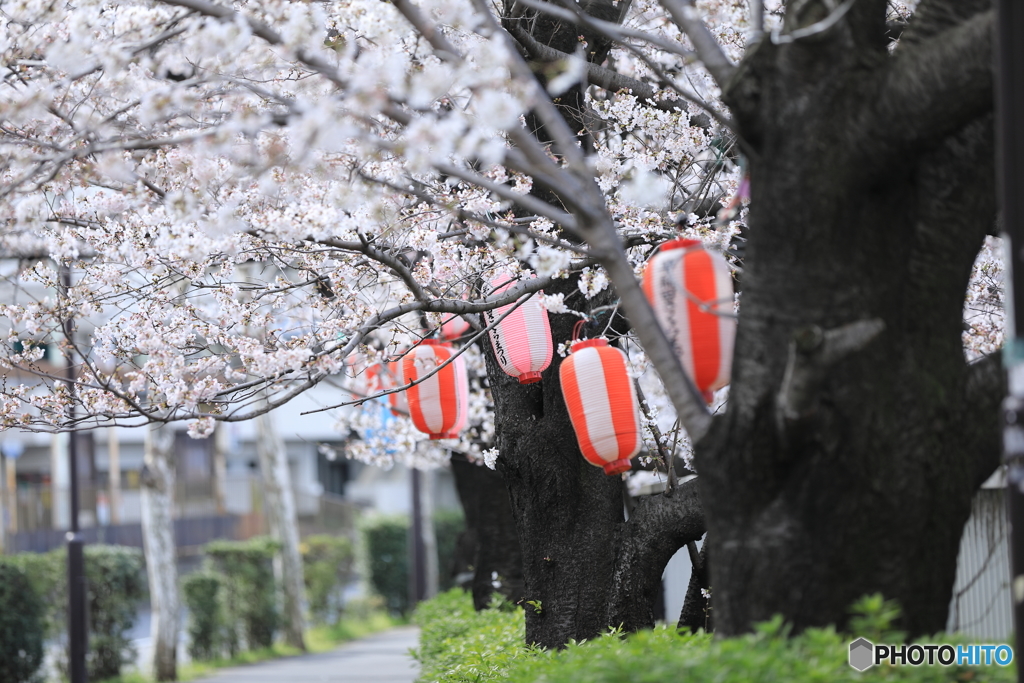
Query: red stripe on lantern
[392,377]
[522,340]
[691,291]
[439,403]
[602,404]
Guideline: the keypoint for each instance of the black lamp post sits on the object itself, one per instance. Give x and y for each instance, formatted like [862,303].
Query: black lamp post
[77,634]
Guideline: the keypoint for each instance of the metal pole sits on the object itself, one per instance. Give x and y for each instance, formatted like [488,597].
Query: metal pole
[77,634]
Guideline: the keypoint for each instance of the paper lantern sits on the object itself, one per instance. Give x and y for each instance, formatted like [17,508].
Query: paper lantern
[391,378]
[602,404]
[691,291]
[439,404]
[366,378]
[522,341]
[453,328]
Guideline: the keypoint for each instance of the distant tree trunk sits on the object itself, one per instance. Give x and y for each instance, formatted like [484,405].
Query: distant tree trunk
[114,469]
[284,527]
[220,448]
[158,540]
[490,543]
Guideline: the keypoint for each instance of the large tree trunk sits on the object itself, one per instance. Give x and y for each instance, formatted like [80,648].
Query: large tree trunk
[872,191]
[158,541]
[489,547]
[284,527]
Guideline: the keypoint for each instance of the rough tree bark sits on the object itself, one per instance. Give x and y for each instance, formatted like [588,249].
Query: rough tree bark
[872,189]
[158,541]
[284,527]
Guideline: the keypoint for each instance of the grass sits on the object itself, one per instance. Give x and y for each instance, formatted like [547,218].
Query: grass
[318,639]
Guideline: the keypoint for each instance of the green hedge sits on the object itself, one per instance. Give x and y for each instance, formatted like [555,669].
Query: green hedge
[327,568]
[115,582]
[386,542]
[387,553]
[458,645]
[248,591]
[22,629]
[201,592]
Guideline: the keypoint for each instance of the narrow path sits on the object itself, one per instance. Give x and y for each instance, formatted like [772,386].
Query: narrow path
[380,658]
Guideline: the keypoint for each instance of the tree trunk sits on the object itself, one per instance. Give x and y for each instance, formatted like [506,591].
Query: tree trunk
[696,612]
[490,545]
[584,567]
[158,541]
[220,467]
[869,203]
[284,527]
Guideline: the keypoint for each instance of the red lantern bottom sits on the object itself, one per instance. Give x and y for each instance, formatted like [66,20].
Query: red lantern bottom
[448,435]
[529,378]
[617,466]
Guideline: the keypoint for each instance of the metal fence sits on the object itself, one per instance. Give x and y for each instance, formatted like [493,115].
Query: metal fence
[190,534]
[42,514]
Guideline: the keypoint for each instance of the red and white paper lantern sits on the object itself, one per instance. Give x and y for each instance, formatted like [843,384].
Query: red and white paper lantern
[522,341]
[439,404]
[602,404]
[454,327]
[391,378]
[691,291]
[366,378]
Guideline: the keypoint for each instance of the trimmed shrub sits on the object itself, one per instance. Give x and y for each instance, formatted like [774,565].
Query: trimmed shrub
[249,591]
[386,542]
[326,568]
[768,654]
[202,594]
[460,645]
[22,626]
[115,584]
[386,539]
[47,574]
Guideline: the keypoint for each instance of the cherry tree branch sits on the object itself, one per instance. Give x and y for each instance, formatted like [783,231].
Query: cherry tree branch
[461,350]
[616,32]
[554,123]
[710,53]
[936,86]
[607,79]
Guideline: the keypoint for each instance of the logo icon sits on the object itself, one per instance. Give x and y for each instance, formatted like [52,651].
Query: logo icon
[862,654]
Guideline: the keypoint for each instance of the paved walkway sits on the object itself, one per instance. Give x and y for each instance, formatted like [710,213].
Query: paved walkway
[381,658]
